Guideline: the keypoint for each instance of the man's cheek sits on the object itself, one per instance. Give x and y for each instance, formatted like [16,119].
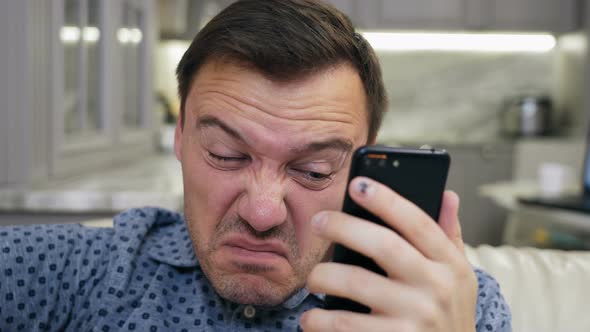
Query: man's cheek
[218,192]
[210,190]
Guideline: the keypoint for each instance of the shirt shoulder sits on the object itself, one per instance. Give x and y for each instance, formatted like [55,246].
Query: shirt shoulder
[45,269]
[52,243]
[52,276]
[131,231]
[492,312]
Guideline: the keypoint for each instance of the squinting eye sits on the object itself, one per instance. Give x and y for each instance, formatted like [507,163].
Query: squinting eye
[226,163]
[227,159]
[315,176]
[312,180]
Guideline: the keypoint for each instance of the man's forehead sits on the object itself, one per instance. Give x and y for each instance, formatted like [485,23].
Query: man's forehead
[343,73]
[282,76]
[335,96]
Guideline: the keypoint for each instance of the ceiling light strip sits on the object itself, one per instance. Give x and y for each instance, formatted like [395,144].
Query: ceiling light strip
[468,42]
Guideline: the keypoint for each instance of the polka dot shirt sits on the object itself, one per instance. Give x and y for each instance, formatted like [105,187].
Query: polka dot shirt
[142,275]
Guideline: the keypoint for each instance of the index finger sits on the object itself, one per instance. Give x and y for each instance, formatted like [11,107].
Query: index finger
[403,216]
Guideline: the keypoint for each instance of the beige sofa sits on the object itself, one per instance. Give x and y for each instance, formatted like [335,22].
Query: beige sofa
[547,290]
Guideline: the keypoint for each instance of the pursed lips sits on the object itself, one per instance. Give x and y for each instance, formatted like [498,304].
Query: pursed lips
[273,247]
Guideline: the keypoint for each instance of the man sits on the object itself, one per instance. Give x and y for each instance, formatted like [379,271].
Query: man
[275,96]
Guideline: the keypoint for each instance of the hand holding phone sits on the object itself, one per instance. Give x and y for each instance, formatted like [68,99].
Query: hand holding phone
[416,174]
[426,281]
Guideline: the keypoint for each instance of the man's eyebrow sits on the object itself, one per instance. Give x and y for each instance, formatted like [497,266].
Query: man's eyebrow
[211,121]
[334,144]
[331,144]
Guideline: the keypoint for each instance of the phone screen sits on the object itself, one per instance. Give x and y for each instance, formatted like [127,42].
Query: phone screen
[419,175]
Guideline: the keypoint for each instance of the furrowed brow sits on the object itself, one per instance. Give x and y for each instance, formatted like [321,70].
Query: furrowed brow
[338,144]
[209,121]
[331,144]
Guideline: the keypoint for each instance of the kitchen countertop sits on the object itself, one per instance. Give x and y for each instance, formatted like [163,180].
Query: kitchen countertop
[506,194]
[154,181]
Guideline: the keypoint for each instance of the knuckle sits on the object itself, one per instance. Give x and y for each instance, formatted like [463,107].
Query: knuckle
[417,227]
[388,245]
[444,286]
[466,274]
[430,318]
[420,227]
[443,296]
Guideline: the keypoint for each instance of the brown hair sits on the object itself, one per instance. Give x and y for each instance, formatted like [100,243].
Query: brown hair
[285,40]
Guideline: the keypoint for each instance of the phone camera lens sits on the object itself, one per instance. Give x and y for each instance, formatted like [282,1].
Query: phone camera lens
[367,162]
[382,163]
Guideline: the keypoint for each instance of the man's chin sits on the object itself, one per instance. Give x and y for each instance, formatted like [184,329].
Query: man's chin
[248,288]
[251,280]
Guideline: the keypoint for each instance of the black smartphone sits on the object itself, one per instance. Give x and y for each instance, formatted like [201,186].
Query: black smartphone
[419,175]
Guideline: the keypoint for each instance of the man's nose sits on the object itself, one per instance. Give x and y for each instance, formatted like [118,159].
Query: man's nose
[262,205]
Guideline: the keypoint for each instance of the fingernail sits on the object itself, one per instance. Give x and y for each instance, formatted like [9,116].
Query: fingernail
[363,187]
[318,221]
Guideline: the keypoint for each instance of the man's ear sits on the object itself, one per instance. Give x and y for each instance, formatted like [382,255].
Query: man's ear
[178,139]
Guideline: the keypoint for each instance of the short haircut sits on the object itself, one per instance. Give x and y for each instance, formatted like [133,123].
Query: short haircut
[285,40]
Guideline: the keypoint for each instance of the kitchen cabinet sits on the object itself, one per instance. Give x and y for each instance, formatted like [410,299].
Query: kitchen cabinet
[524,15]
[14,127]
[65,84]
[416,14]
[549,15]
[473,165]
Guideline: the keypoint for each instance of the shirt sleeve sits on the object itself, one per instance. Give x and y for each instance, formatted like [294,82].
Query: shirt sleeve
[492,312]
[46,271]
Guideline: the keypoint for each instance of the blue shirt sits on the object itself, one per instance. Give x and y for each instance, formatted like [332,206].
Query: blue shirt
[143,275]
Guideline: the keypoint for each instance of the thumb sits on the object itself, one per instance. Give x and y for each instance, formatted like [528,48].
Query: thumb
[449,219]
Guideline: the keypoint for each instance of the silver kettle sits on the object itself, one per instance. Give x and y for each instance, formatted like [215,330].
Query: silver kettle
[527,115]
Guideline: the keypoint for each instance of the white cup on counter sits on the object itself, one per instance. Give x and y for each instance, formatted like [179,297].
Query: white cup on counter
[554,178]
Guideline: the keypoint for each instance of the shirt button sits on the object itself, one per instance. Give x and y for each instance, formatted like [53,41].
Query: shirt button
[249,312]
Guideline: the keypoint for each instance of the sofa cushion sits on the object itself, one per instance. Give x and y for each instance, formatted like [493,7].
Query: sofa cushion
[547,290]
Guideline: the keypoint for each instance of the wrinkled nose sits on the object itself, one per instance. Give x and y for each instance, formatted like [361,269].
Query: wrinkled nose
[262,205]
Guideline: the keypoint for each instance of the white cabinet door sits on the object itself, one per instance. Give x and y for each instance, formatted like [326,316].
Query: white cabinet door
[547,15]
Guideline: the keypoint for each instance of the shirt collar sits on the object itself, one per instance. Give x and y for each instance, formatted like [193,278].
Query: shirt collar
[296,299]
[171,243]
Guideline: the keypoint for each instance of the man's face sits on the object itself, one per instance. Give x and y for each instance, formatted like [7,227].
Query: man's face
[259,159]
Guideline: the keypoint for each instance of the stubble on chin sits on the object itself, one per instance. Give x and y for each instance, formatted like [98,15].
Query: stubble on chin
[240,289]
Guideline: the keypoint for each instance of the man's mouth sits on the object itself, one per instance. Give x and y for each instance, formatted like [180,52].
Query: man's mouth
[255,251]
